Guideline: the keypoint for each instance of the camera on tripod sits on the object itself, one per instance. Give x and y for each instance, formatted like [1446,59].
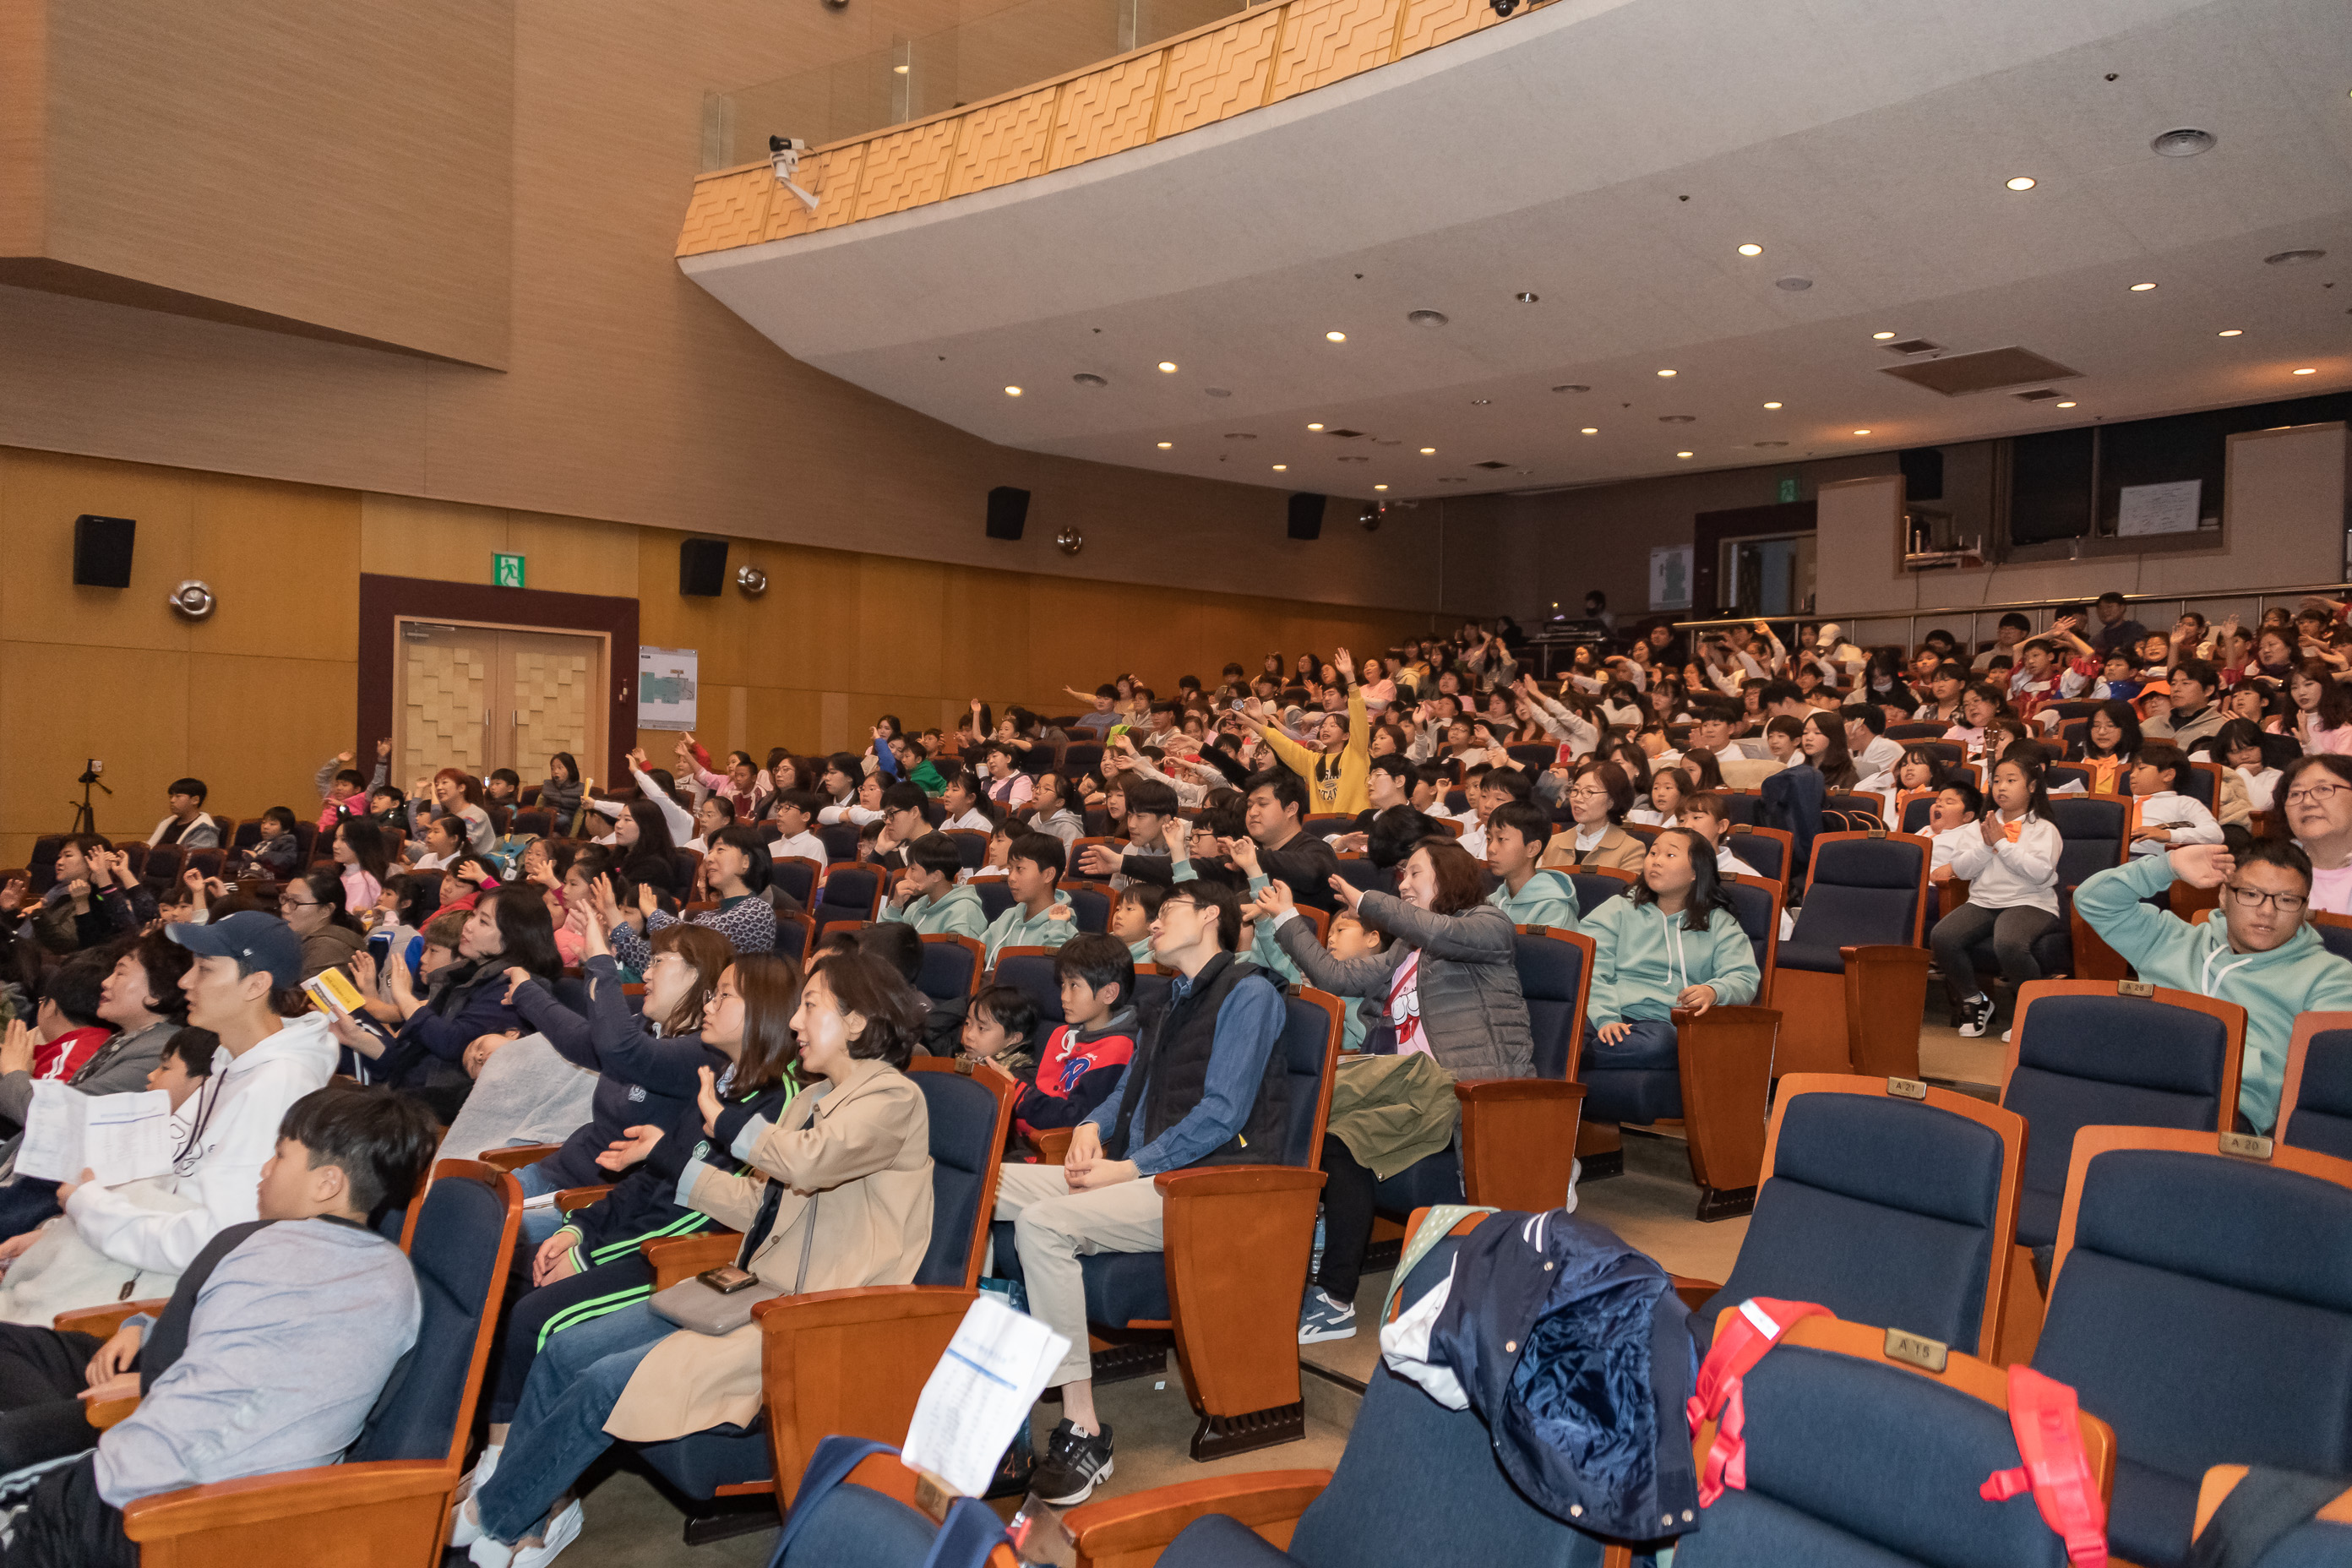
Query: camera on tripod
[89,774]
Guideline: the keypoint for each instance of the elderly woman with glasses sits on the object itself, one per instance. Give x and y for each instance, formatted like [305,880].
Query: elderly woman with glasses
[2316,795]
[2260,953]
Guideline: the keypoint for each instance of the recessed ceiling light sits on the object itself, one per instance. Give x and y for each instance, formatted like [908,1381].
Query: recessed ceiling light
[2230,332]
[2021,182]
[1880,337]
[1335,337]
[1666,373]
[1677,418]
[1862,432]
[2307,370]
[1526,299]
[1685,454]
[1427,318]
[1165,444]
[2142,288]
[2182,143]
[1771,406]
[1281,468]
[900,70]
[1751,250]
[2069,403]
[1011,392]
[1429,452]
[1379,487]
[1480,401]
[1168,366]
[1592,429]
[1315,427]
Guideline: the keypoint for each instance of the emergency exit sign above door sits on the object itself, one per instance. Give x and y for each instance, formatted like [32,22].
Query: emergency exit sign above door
[506,571]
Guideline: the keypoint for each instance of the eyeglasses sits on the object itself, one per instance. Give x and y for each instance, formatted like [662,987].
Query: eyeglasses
[2312,795]
[2253,899]
[298,903]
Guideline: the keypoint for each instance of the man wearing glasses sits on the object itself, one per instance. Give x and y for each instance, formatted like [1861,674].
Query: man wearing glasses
[1205,1088]
[2255,950]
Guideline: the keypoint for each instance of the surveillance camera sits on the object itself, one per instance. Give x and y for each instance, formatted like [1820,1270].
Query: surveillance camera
[786,145]
[1369,517]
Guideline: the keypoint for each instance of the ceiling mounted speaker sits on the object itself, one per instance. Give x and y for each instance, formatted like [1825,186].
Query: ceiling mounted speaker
[2186,142]
[1306,515]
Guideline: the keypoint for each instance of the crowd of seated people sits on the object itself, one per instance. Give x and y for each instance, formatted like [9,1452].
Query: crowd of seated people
[738,1070]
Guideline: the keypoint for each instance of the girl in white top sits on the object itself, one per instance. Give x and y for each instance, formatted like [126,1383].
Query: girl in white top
[2163,818]
[1663,809]
[2239,747]
[2011,864]
[1572,729]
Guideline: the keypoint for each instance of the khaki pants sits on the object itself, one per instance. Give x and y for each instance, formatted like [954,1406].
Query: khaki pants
[1055,1227]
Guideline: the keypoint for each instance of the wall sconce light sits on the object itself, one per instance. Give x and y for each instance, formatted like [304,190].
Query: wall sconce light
[194,600]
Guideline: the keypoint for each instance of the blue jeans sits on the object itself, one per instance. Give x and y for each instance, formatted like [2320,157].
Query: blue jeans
[559,1429]
[538,1225]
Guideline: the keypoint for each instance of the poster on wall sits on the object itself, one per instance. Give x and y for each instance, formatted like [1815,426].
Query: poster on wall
[2159,508]
[665,686]
[1669,577]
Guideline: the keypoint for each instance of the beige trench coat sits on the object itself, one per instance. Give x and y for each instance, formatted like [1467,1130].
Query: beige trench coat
[857,1159]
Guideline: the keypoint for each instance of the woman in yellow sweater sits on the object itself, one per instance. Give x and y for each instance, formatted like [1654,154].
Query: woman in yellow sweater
[1338,771]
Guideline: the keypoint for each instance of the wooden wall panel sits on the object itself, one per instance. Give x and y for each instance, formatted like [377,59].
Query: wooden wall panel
[402,536]
[1323,44]
[984,636]
[571,555]
[41,493]
[310,709]
[284,561]
[24,127]
[718,628]
[1106,112]
[62,704]
[1219,74]
[901,606]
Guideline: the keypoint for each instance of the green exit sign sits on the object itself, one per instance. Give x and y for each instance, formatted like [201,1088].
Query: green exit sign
[1788,494]
[506,571]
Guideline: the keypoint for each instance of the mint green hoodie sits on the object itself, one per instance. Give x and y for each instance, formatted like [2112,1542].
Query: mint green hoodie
[1548,899]
[2299,975]
[956,912]
[1642,962]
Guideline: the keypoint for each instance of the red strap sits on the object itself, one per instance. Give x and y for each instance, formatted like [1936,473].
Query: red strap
[2041,1413]
[1738,1345]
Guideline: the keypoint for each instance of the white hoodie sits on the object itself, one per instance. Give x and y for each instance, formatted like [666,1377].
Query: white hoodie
[2008,875]
[236,1115]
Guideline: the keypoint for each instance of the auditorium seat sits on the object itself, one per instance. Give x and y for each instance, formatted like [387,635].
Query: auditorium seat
[2200,1303]
[797,874]
[950,967]
[1862,890]
[845,889]
[2316,1103]
[1890,1202]
[1769,849]
[1593,884]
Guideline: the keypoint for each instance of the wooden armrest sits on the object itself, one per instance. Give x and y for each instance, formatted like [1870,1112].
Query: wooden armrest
[1052,1143]
[102,1321]
[1501,1090]
[514,1157]
[685,1257]
[1694,1293]
[286,1496]
[572,1198]
[1135,1527]
[105,1413]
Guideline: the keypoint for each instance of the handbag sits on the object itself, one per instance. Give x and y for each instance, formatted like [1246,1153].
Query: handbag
[694,1305]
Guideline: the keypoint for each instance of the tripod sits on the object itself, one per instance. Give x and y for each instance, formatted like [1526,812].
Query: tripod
[85,817]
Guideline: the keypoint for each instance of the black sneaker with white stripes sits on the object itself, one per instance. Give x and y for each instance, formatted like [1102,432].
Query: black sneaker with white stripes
[1976,1015]
[1074,1462]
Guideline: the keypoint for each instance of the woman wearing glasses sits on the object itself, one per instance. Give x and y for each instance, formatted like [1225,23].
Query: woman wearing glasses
[2316,794]
[1599,796]
[2258,952]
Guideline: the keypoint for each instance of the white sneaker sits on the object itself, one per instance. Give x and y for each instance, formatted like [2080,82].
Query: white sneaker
[463,1530]
[561,1531]
[1978,1017]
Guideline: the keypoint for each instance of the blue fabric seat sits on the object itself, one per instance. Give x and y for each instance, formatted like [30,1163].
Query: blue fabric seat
[2322,1119]
[854,1527]
[1865,892]
[995,896]
[1592,889]
[839,838]
[846,893]
[1764,852]
[1743,808]
[798,877]
[2098,1061]
[1551,978]
[1032,974]
[1092,909]
[1759,916]
[1417,1485]
[1123,1287]
[2336,939]
[1883,1210]
[964,1150]
[2091,838]
[1856,1463]
[461,1272]
[949,969]
[2205,1313]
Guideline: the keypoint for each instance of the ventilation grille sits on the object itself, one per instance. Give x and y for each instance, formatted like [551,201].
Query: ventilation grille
[1344,435]
[1490,463]
[1987,372]
[2040,394]
[1913,346]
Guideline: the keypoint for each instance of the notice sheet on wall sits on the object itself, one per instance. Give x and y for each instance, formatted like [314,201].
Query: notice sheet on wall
[666,688]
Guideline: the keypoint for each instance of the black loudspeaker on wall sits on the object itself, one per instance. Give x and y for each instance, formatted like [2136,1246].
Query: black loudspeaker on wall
[1923,472]
[701,567]
[1008,511]
[1306,515]
[102,550]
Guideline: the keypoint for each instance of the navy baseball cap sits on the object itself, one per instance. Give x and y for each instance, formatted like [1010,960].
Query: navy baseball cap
[255,940]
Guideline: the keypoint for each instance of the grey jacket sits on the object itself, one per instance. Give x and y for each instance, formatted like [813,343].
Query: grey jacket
[1470,999]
